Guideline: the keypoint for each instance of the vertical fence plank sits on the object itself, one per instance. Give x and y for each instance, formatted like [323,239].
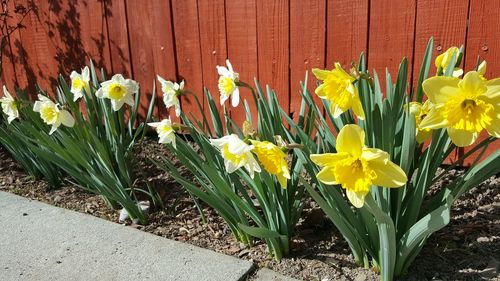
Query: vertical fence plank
[452,16]
[9,77]
[346,31]
[93,32]
[189,63]
[213,43]
[390,36]
[483,40]
[307,46]
[151,48]
[241,30]
[273,47]
[116,19]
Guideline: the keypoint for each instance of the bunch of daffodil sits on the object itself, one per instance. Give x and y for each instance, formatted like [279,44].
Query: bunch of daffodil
[80,83]
[17,137]
[465,107]
[52,113]
[228,84]
[97,151]
[445,59]
[356,167]
[338,88]
[171,92]
[9,105]
[119,91]
[386,161]
[420,111]
[244,174]
[165,131]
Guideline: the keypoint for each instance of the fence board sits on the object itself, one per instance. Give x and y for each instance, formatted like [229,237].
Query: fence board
[483,39]
[273,47]
[346,31]
[189,62]
[452,16]
[391,35]
[307,46]
[213,39]
[116,19]
[241,32]
[151,49]
[9,77]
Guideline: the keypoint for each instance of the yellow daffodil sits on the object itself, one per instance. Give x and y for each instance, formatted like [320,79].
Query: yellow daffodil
[420,111]
[119,90]
[464,106]
[356,167]
[171,91]
[51,113]
[9,105]
[236,154]
[273,159]
[443,60]
[79,83]
[481,69]
[227,84]
[165,131]
[338,88]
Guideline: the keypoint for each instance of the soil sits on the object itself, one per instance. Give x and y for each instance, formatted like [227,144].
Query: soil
[467,249]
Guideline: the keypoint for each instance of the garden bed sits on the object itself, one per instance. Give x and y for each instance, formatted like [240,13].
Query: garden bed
[467,249]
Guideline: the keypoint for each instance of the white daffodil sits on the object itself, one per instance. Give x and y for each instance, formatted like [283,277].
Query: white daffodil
[80,83]
[52,115]
[119,90]
[165,131]
[9,105]
[171,91]
[227,84]
[236,154]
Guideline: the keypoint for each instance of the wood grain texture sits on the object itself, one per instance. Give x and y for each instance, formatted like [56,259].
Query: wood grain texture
[390,36]
[213,41]
[151,49]
[346,31]
[116,19]
[9,77]
[273,47]
[452,16]
[241,30]
[483,40]
[307,46]
[188,47]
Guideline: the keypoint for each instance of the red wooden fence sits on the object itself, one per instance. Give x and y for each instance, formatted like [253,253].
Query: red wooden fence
[273,40]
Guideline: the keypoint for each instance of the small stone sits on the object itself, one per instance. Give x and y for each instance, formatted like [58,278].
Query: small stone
[57,199]
[482,239]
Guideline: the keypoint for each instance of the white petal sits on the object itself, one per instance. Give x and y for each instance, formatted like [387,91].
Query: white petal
[223,71]
[129,99]
[117,104]
[100,93]
[86,74]
[36,106]
[235,99]
[66,118]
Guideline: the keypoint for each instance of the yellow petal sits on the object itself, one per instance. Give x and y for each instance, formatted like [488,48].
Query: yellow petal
[282,180]
[356,198]
[321,74]
[433,120]
[472,83]
[358,108]
[370,154]
[481,69]
[335,110]
[423,135]
[388,173]
[319,91]
[327,176]
[327,159]
[494,128]
[493,90]
[462,138]
[351,140]
[439,88]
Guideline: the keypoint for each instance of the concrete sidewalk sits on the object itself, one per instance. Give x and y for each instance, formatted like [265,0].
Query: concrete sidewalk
[43,242]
